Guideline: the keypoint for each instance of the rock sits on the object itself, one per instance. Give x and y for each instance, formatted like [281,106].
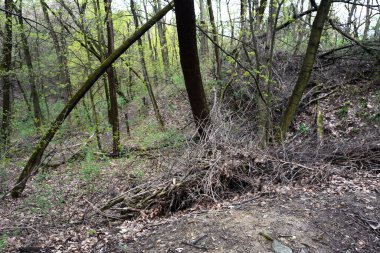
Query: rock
[278,247]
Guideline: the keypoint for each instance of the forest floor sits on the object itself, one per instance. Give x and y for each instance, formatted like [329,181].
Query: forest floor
[339,216]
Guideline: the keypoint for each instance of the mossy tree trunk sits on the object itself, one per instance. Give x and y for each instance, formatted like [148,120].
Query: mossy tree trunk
[5,68]
[38,152]
[307,66]
[188,50]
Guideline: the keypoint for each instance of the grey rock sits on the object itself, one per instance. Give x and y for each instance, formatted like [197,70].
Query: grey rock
[278,247]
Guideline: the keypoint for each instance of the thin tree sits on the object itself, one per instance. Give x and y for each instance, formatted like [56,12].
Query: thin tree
[185,16]
[218,66]
[307,65]
[112,81]
[62,60]
[38,119]
[145,71]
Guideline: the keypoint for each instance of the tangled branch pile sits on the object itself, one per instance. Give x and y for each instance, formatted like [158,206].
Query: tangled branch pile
[229,162]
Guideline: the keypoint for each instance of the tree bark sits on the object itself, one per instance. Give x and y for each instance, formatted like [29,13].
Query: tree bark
[38,152]
[185,16]
[112,81]
[307,66]
[5,67]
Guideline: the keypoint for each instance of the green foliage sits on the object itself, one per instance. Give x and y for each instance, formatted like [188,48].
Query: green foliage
[304,128]
[3,242]
[343,111]
[149,135]
[41,202]
[90,168]
[91,232]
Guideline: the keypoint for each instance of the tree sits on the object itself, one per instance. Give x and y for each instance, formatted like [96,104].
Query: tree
[5,68]
[64,75]
[112,81]
[185,16]
[35,159]
[307,65]
[218,67]
[31,72]
[145,71]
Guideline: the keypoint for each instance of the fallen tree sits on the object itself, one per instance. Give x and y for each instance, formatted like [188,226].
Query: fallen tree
[35,158]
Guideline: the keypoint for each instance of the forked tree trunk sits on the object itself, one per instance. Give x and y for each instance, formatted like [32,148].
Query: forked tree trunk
[6,67]
[188,50]
[39,149]
[307,66]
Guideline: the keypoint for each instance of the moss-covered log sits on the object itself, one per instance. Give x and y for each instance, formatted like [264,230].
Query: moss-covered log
[38,152]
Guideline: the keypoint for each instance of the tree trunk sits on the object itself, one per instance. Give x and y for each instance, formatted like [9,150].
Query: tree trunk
[62,60]
[367,22]
[215,38]
[145,72]
[6,67]
[163,41]
[38,119]
[185,16]
[204,42]
[39,149]
[307,66]
[112,82]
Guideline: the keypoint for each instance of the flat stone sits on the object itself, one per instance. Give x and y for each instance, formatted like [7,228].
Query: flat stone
[278,247]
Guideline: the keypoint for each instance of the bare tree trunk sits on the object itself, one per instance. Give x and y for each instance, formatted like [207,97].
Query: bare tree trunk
[307,65]
[350,15]
[38,118]
[6,67]
[35,158]
[112,82]
[367,22]
[215,38]
[185,16]
[145,72]
[204,42]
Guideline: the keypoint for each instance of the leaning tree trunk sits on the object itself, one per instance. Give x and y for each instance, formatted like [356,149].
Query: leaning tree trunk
[38,152]
[6,67]
[187,40]
[307,66]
